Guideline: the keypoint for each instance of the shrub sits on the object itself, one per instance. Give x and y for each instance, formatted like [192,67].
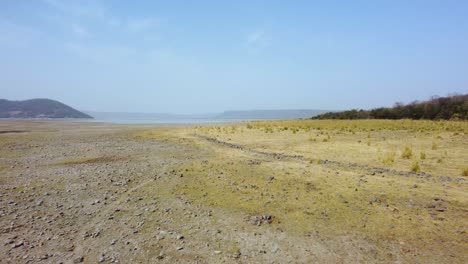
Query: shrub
[434,146]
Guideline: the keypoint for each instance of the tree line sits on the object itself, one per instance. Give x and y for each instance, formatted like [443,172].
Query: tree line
[453,107]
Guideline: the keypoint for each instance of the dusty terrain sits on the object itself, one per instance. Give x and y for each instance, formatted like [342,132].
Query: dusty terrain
[262,192]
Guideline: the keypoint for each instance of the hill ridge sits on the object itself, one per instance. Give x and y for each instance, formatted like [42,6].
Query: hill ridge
[38,108]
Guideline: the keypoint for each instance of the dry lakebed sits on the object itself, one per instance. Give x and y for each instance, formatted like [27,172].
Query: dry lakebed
[368,191]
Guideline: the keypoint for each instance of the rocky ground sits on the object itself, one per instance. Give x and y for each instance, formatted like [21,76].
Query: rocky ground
[94,193]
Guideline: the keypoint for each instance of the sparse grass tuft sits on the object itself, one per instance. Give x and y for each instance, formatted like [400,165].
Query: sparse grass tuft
[389,158]
[407,153]
[415,167]
[422,155]
[465,172]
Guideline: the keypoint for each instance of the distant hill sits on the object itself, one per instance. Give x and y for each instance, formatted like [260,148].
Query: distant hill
[38,108]
[269,114]
[451,107]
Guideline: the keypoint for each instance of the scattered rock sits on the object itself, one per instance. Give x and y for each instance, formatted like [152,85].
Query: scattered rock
[78,259]
[259,220]
[19,244]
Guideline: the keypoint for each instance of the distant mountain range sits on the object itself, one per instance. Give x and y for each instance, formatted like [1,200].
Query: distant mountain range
[38,108]
[46,108]
[207,117]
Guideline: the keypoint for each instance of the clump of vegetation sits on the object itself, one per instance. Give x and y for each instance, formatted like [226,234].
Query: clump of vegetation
[422,155]
[407,153]
[451,107]
[415,167]
[389,158]
[434,146]
[465,172]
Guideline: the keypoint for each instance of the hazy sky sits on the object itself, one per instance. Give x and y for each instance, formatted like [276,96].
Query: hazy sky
[210,56]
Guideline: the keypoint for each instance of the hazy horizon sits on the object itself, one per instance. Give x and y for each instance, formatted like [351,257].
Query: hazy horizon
[210,57]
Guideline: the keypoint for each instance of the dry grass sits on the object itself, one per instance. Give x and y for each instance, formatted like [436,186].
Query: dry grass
[311,197]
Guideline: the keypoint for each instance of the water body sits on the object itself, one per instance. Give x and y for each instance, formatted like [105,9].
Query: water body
[161,118]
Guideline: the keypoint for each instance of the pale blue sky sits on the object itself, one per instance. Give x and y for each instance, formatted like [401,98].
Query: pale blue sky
[210,56]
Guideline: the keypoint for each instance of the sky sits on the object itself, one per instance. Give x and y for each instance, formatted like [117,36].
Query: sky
[210,56]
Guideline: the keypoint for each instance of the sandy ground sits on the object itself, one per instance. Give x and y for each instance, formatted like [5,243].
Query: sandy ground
[95,193]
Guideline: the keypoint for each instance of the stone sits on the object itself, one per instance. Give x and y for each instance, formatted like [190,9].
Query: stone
[19,244]
[79,259]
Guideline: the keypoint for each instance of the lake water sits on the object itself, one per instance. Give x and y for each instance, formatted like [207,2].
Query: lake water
[155,118]
[134,121]
[160,121]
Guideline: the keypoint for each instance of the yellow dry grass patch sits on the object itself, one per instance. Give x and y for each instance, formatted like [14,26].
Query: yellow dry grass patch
[313,199]
[379,143]
[307,197]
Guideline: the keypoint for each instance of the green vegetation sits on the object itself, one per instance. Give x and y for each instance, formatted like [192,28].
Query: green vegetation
[437,108]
